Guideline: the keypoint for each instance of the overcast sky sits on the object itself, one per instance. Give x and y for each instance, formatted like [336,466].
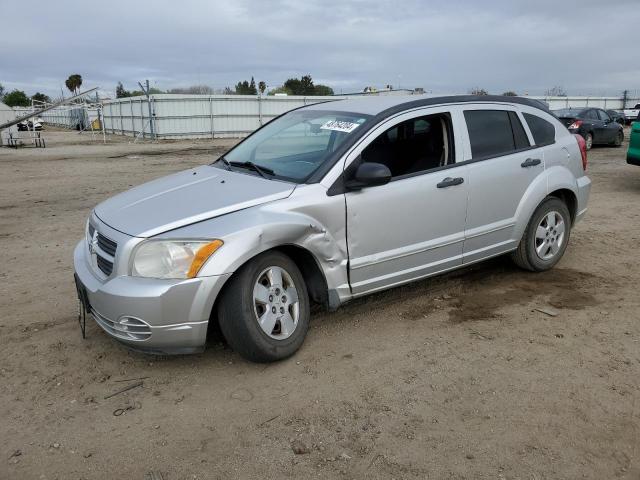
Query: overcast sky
[586,46]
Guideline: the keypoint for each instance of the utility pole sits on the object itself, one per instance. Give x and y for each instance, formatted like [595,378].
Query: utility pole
[151,122]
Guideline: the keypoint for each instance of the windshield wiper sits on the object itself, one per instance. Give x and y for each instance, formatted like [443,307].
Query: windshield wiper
[263,171]
[225,161]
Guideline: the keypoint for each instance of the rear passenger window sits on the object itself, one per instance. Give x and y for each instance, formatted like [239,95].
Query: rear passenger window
[544,133]
[494,132]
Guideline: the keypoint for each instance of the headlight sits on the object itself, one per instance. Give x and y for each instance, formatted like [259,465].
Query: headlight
[172,259]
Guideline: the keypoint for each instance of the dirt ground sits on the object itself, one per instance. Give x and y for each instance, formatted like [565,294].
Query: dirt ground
[456,377]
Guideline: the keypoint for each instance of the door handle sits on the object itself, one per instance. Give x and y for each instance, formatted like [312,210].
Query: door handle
[530,162]
[450,182]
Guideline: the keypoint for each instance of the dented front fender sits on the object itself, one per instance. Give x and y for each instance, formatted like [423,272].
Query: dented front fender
[308,219]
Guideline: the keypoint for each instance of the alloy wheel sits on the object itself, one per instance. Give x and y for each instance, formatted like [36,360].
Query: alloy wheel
[550,235]
[275,303]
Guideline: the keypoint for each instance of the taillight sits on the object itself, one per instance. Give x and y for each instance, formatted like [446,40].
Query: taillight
[583,150]
[575,125]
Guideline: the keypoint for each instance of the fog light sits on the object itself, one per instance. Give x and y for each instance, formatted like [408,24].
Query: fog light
[133,325]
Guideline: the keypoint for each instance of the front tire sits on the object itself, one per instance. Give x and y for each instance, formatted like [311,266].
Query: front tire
[545,238]
[619,139]
[264,309]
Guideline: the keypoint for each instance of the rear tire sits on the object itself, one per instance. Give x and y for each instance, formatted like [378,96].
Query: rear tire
[264,309]
[546,237]
[588,140]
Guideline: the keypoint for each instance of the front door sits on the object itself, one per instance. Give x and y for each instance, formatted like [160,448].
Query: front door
[610,128]
[414,225]
[597,126]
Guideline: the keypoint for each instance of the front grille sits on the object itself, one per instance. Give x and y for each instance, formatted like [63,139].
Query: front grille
[127,328]
[107,245]
[104,265]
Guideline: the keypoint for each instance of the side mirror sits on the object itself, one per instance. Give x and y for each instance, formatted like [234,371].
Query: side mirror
[369,175]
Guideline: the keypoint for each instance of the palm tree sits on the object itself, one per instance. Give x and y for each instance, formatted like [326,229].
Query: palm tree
[73,83]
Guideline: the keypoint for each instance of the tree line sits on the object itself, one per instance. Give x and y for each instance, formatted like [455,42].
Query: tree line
[293,86]
[18,98]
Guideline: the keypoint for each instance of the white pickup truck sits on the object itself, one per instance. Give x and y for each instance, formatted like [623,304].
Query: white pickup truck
[631,114]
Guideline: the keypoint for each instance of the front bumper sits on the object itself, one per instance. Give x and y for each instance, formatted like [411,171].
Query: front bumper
[152,315]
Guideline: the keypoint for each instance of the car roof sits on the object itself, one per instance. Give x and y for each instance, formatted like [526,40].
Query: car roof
[574,109]
[382,105]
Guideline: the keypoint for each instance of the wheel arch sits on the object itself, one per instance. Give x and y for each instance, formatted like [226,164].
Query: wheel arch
[312,273]
[309,266]
[557,181]
[569,198]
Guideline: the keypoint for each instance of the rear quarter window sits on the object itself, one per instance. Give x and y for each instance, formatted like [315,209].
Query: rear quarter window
[544,133]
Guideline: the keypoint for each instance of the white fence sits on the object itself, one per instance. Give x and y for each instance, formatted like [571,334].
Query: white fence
[215,116]
[607,103]
[219,116]
[197,116]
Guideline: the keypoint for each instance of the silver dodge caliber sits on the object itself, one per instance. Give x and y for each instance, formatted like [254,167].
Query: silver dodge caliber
[324,204]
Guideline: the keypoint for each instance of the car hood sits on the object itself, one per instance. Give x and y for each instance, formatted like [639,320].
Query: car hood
[185,198]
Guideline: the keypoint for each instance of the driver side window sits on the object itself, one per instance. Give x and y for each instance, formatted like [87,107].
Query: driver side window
[414,146]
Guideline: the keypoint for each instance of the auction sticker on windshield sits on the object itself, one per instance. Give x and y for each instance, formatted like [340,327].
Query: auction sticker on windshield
[340,126]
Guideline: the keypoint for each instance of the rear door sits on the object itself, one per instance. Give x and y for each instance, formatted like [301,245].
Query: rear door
[414,225]
[502,165]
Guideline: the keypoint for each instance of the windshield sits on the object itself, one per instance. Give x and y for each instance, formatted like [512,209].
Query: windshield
[293,146]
